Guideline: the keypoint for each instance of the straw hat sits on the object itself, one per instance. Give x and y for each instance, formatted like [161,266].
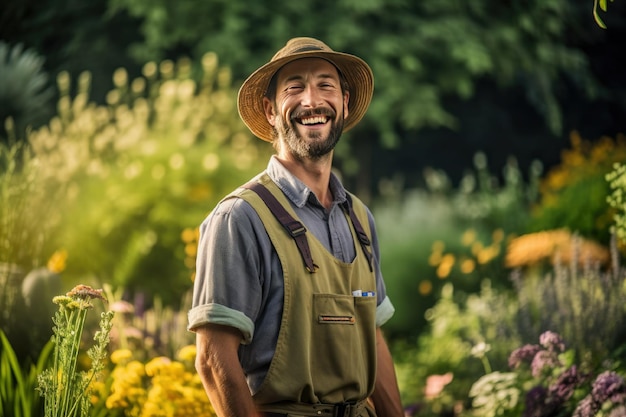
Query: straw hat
[356,72]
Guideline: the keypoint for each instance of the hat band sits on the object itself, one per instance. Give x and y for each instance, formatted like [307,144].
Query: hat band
[308,48]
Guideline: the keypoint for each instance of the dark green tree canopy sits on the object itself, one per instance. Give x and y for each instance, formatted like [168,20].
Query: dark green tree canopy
[420,51]
[452,77]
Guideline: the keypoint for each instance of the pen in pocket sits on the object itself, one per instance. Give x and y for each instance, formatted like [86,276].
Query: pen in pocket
[360,293]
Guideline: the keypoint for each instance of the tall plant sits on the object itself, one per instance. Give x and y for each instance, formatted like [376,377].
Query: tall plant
[65,388]
[617,199]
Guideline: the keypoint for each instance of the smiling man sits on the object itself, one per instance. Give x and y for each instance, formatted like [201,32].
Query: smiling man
[289,296]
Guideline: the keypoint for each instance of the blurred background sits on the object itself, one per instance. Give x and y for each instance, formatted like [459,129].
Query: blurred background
[490,156]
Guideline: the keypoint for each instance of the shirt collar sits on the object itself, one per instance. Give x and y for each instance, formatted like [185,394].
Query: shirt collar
[295,190]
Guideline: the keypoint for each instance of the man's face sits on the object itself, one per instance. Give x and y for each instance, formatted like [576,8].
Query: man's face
[310,107]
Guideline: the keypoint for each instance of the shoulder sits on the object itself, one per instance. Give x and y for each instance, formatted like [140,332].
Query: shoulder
[232,215]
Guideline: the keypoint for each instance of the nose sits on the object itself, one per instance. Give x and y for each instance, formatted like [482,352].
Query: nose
[311,97]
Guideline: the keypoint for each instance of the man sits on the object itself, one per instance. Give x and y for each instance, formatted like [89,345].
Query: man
[289,298]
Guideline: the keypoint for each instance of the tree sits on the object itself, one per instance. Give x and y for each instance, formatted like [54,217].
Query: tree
[430,59]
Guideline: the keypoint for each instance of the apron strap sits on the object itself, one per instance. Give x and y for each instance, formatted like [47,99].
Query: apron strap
[363,239]
[295,228]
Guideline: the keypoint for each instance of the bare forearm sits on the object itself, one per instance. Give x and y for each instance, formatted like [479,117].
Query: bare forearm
[386,395]
[221,374]
[228,393]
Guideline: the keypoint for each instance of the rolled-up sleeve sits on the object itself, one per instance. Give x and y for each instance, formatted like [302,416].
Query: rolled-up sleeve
[227,287]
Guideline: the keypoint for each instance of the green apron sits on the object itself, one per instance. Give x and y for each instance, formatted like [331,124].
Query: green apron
[326,348]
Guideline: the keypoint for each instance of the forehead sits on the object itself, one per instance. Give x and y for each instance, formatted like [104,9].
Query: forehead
[307,67]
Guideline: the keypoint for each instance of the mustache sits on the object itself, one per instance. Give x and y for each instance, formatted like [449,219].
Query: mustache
[322,111]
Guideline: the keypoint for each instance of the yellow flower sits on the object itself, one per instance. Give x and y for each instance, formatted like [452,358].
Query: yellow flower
[189,235]
[187,353]
[57,261]
[157,364]
[445,267]
[469,236]
[553,245]
[468,266]
[121,356]
[425,287]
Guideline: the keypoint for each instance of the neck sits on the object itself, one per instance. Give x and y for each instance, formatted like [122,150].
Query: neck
[313,174]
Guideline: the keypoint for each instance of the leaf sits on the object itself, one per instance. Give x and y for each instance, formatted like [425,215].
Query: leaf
[596,16]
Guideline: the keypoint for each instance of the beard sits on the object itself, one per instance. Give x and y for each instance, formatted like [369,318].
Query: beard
[317,146]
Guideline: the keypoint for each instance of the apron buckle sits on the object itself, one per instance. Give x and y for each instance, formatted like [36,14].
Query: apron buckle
[345,409]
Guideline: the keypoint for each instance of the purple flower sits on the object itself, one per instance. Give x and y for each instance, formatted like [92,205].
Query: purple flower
[542,360]
[552,341]
[587,407]
[566,383]
[609,386]
[525,354]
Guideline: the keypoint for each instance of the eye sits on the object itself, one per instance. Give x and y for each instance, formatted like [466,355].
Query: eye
[327,86]
[293,87]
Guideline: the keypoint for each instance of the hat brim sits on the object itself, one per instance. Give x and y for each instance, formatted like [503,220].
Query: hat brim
[357,73]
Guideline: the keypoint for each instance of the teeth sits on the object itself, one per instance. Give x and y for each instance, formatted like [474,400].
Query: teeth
[314,120]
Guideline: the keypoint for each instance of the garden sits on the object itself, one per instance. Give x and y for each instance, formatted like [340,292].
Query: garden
[507,279]
[496,300]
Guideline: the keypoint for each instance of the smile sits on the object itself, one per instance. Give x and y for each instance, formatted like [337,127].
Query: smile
[313,120]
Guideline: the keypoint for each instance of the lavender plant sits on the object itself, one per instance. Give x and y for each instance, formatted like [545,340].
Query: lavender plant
[545,380]
[65,388]
[577,300]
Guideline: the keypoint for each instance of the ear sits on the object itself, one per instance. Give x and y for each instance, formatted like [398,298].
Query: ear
[268,107]
[346,100]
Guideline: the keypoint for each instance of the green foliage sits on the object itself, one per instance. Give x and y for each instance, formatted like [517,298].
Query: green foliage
[458,336]
[573,193]
[22,200]
[617,199]
[438,48]
[17,385]
[596,16]
[134,174]
[468,225]
[26,222]
[496,394]
[25,91]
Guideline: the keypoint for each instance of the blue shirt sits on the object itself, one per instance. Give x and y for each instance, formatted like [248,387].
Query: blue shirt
[239,279]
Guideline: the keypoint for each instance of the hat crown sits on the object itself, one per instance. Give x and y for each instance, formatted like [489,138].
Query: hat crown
[356,72]
[300,45]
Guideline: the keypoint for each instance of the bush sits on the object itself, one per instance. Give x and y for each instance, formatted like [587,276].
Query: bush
[25,90]
[573,300]
[131,176]
[573,194]
[159,386]
[459,336]
[446,234]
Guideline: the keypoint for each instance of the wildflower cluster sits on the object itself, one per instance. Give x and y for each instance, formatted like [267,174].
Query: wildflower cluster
[160,387]
[547,382]
[608,394]
[64,387]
